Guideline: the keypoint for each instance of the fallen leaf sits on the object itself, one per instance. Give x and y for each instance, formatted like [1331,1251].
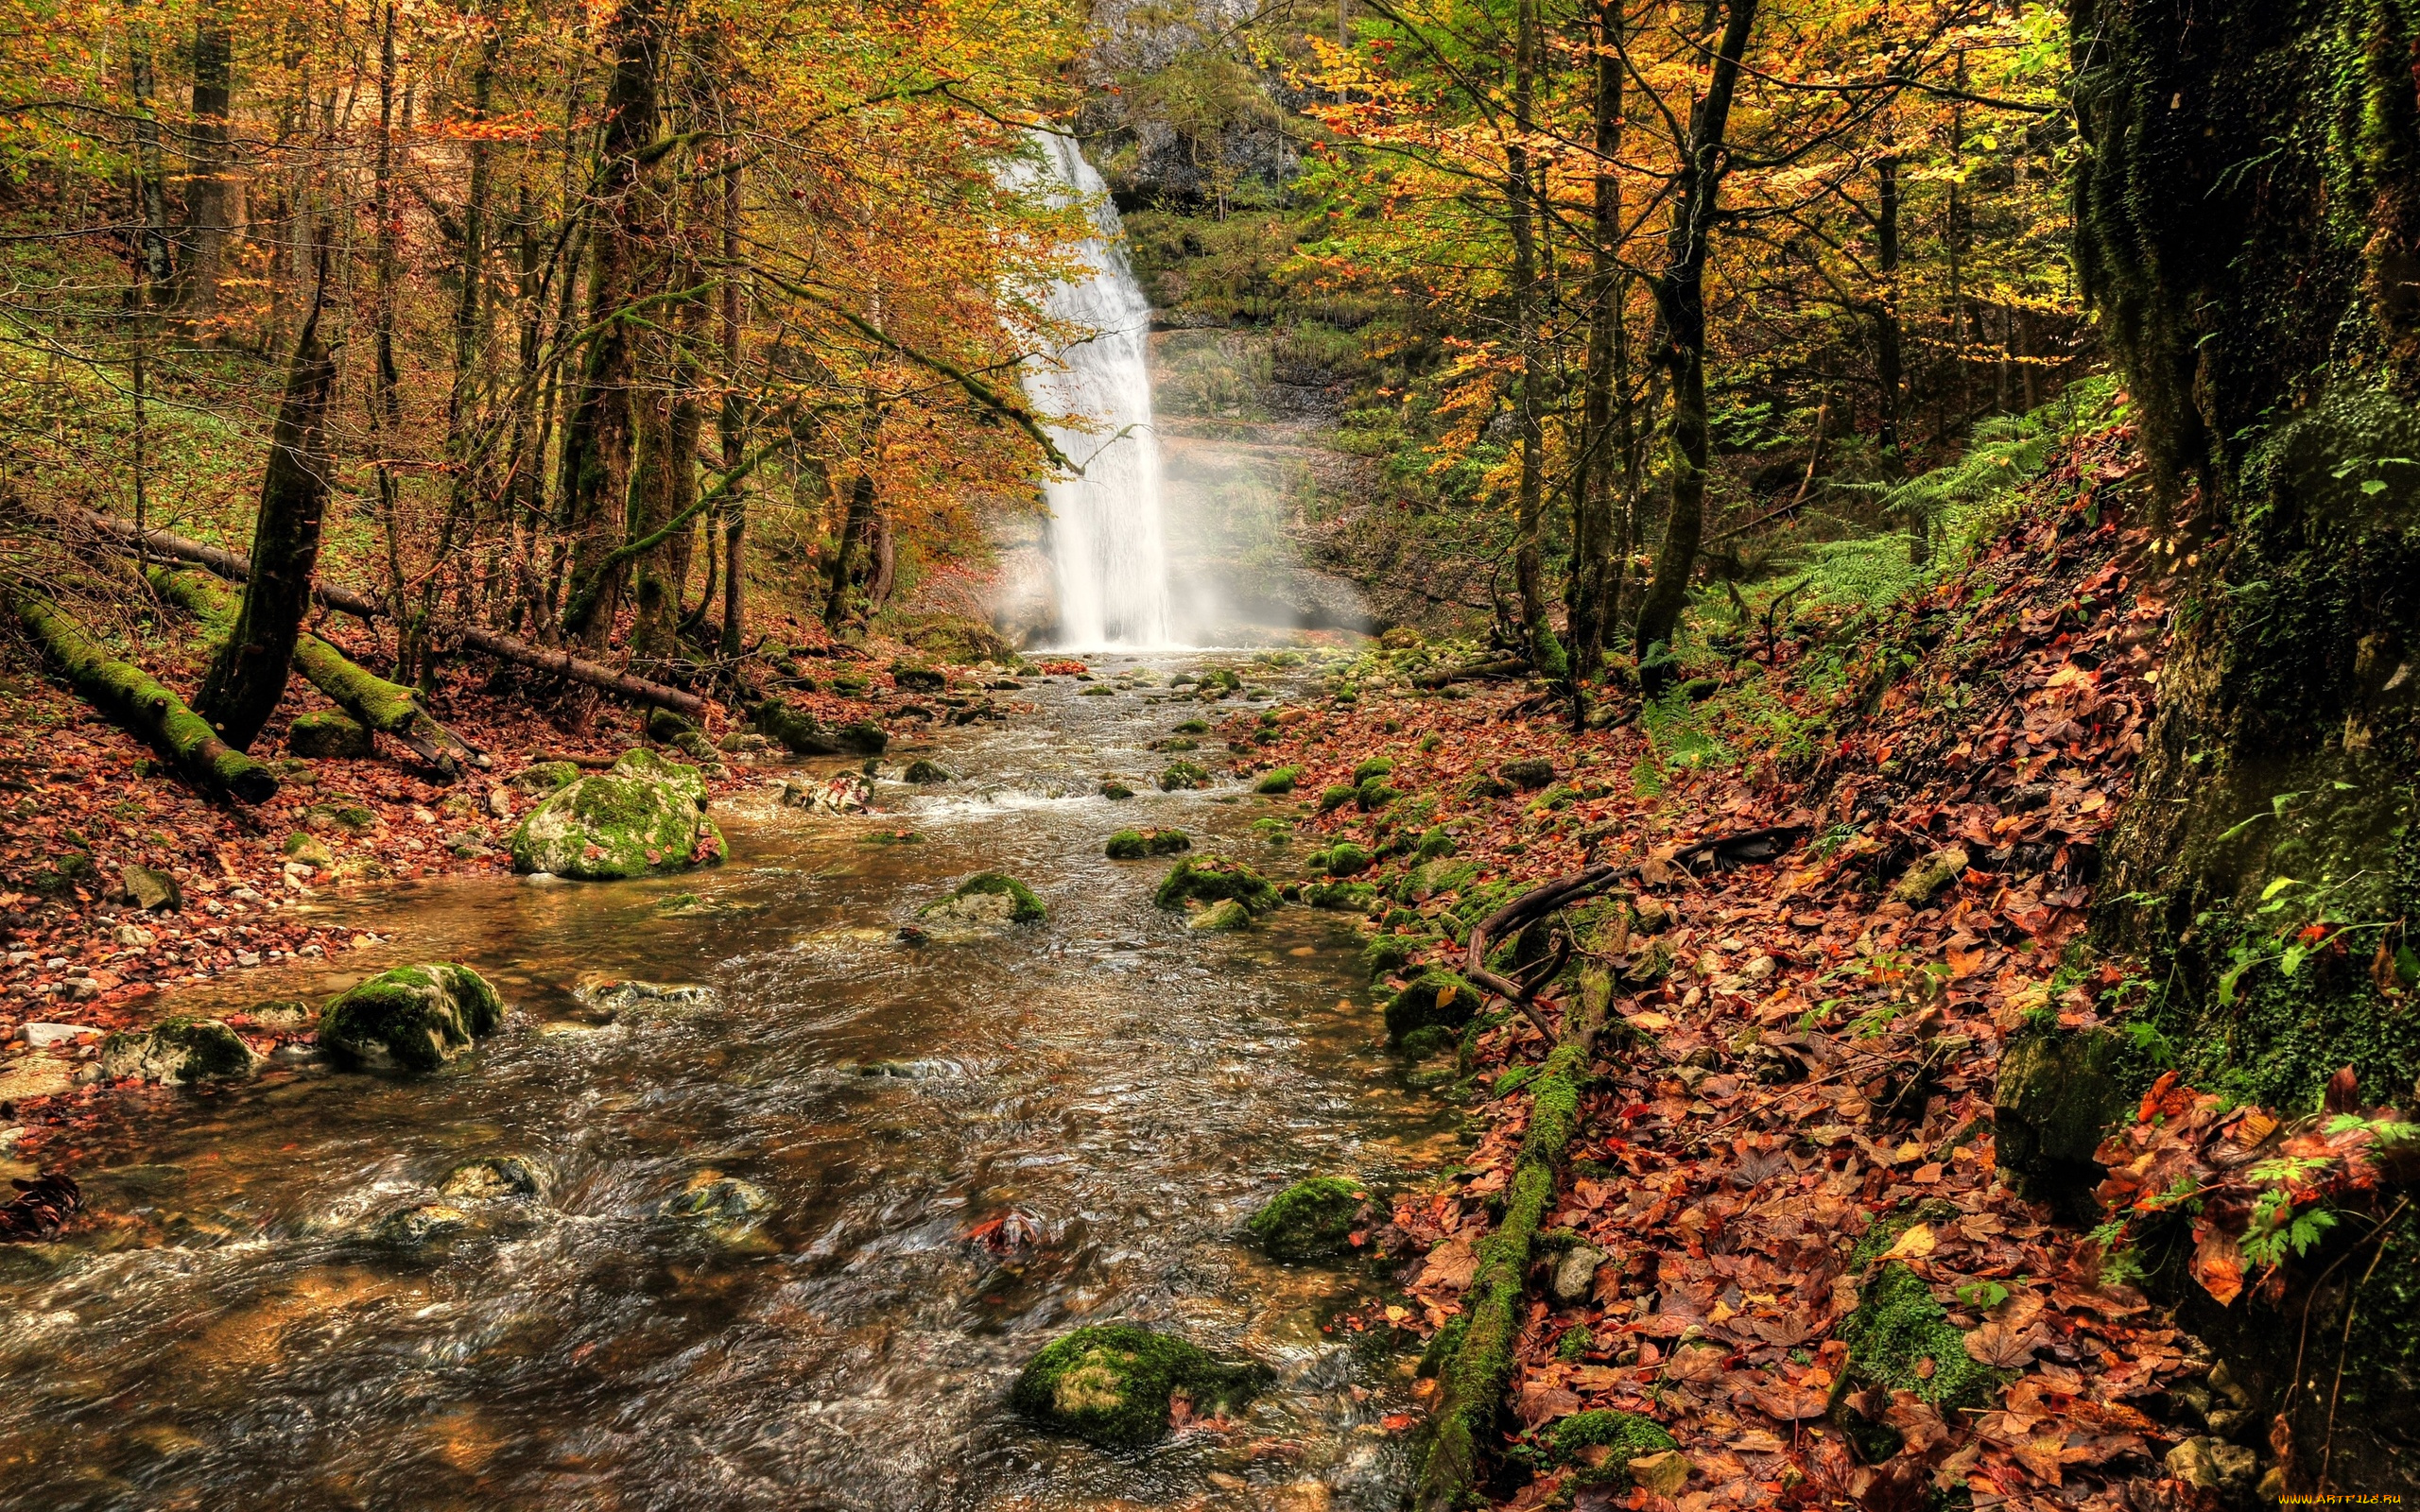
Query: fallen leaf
[2002,1347]
[2218,1265]
[1915,1243]
[1791,1404]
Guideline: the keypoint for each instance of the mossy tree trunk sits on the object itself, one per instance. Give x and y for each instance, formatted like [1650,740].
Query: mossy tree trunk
[141,703]
[2248,226]
[1680,300]
[247,675]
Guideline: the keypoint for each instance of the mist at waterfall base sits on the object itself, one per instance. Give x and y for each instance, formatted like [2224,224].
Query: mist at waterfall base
[1107,539]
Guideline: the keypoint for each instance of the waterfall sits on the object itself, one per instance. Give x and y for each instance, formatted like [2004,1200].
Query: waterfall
[1107,543]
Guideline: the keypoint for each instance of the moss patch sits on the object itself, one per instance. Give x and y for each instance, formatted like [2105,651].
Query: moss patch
[1112,1384]
[1313,1219]
[1439,999]
[989,897]
[1279,782]
[1897,1327]
[1603,1442]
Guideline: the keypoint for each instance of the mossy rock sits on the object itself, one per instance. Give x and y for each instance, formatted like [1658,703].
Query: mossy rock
[1436,999]
[1277,784]
[1898,1327]
[2056,1095]
[1386,954]
[699,748]
[717,1200]
[987,898]
[1484,785]
[1098,690]
[1344,897]
[425,1223]
[1116,792]
[1183,775]
[1432,844]
[1216,880]
[1375,766]
[1223,917]
[1112,1384]
[1134,845]
[1223,679]
[150,889]
[1443,875]
[1373,794]
[918,679]
[1529,773]
[179,1050]
[414,1017]
[60,875]
[1917,885]
[862,737]
[329,735]
[1191,727]
[957,639]
[1176,744]
[646,814]
[341,813]
[1601,1443]
[1335,797]
[543,777]
[924,773]
[668,725]
[1343,859]
[1315,1219]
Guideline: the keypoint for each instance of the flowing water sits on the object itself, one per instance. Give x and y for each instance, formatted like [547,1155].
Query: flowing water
[228,1331]
[1108,540]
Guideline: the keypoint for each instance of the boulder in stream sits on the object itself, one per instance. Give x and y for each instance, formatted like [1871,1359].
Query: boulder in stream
[1135,845]
[1439,999]
[722,1203]
[1216,880]
[179,1050]
[1112,1384]
[986,898]
[1222,916]
[414,1017]
[646,815]
[1316,1219]
[425,1223]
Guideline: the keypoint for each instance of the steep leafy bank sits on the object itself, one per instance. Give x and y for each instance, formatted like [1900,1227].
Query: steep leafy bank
[1793,1191]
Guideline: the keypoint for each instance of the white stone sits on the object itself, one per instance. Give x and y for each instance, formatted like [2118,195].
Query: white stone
[43,1036]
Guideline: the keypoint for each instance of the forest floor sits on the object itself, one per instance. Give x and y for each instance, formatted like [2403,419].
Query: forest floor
[85,799]
[1796,1097]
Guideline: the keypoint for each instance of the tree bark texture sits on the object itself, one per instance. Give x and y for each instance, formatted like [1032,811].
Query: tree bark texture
[247,675]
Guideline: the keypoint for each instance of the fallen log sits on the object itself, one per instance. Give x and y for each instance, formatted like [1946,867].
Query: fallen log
[1511,666]
[389,708]
[141,703]
[362,606]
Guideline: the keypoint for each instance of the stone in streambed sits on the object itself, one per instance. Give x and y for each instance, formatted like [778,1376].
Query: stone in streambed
[723,1205]
[1216,880]
[986,900]
[1315,1219]
[491,1178]
[1135,845]
[414,1017]
[179,1050]
[427,1223]
[1221,918]
[1112,1384]
[646,815]
[1439,999]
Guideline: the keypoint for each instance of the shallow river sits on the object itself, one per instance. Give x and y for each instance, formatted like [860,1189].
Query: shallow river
[230,1331]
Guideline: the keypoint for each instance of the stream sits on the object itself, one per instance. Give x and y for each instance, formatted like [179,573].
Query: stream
[230,1330]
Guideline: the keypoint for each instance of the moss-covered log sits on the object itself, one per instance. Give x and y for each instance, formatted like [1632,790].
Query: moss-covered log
[1481,1366]
[140,702]
[389,708]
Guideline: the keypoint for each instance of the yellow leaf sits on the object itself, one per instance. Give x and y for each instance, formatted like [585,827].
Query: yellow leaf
[1913,1245]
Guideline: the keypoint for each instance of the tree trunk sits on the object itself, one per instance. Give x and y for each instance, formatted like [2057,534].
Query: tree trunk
[1592,519]
[140,703]
[728,421]
[1545,651]
[386,381]
[1889,379]
[210,192]
[466,475]
[855,528]
[2255,258]
[1679,293]
[153,267]
[597,438]
[247,675]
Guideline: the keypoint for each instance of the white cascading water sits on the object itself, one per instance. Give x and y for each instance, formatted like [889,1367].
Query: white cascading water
[1108,541]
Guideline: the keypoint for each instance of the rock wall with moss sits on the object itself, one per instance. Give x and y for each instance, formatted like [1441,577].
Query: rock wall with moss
[2248,215]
